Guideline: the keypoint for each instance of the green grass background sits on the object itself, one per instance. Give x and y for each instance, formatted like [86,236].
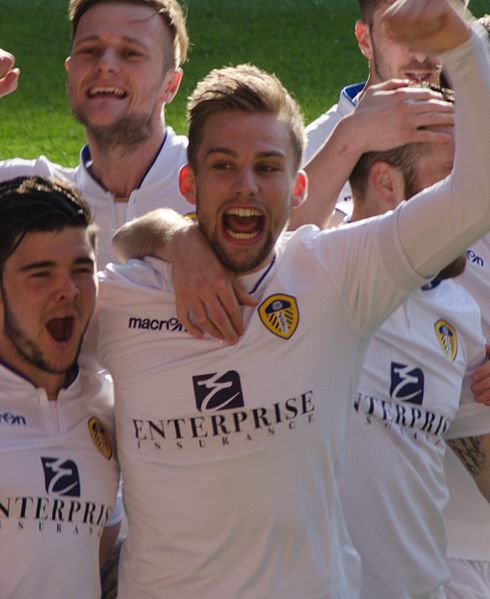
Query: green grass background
[309,44]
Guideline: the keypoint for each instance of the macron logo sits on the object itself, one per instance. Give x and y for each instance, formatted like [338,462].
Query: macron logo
[474,258]
[171,325]
[12,419]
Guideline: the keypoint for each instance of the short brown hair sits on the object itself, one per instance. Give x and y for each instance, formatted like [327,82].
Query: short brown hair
[170,12]
[403,158]
[246,88]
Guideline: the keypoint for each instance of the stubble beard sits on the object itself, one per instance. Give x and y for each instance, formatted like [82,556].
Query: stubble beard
[128,131]
[383,73]
[236,265]
[26,348]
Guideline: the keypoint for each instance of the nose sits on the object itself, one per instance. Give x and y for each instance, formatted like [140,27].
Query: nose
[108,60]
[66,289]
[421,58]
[246,183]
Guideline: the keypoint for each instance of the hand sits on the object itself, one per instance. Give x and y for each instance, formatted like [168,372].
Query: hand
[481,381]
[208,297]
[390,114]
[9,77]
[429,26]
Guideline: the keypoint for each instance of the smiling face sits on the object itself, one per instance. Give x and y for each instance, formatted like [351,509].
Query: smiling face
[389,59]
[47,296]
[244,184]
[121,72]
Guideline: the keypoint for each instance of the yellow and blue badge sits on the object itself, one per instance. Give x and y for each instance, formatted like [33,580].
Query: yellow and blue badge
[280,314]
[100,437]
[447,337]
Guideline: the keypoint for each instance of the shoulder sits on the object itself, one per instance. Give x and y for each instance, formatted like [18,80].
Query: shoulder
[147,274]
[42,166]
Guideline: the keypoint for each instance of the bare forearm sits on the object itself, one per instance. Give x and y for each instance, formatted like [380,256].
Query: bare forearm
[149,235]
[327,173]
[474,453]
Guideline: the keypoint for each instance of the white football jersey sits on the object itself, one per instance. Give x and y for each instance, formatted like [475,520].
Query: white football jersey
[59,478]
[159,188]
[393,486]
[468,513]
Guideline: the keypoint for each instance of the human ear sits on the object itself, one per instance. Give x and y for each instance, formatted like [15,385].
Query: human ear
[363,36]
[300,189]
[172,84]
[388,184]
[187,183]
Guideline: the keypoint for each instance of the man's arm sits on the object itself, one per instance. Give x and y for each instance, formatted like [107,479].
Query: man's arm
[9,76]
[442,221]
[207,296]
[389,115]
[474,453]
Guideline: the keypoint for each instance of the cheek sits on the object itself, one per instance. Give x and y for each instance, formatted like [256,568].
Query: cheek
[88,294]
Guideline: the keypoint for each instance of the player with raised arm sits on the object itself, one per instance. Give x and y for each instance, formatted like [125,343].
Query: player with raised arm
[240,470]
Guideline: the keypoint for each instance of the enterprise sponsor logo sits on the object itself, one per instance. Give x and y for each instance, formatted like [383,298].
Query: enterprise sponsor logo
[406,415]
[61,509]
[224,428]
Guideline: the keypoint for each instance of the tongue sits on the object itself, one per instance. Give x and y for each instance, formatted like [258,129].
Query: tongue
[243,224]
[60,328]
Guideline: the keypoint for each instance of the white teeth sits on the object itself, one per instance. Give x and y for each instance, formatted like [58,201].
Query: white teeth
[243,212]
[235,235]
[107,90]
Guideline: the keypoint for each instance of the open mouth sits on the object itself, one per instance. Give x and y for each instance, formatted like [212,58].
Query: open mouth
[420,76]
[107,92]
[243,224]
[61,329]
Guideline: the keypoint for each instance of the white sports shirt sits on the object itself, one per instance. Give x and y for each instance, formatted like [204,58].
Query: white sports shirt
[158,188]
[58,484]
[468,513]
[393,488]
[230,454]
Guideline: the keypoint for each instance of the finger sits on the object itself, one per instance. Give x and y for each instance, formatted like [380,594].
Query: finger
[224,318]
[209,316]
[209,327]
[424,136]
[482,397]
[184,317]
[244,298]
[481,375]
[231,326]
[9,83]
[7,62]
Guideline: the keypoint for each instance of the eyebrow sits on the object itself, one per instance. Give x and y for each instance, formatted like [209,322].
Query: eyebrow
[51,264]
[228,152]
[96,38]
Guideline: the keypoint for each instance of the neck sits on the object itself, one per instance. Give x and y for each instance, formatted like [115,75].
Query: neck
[50,382]
[120,169]
[371,80]
[360,212]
